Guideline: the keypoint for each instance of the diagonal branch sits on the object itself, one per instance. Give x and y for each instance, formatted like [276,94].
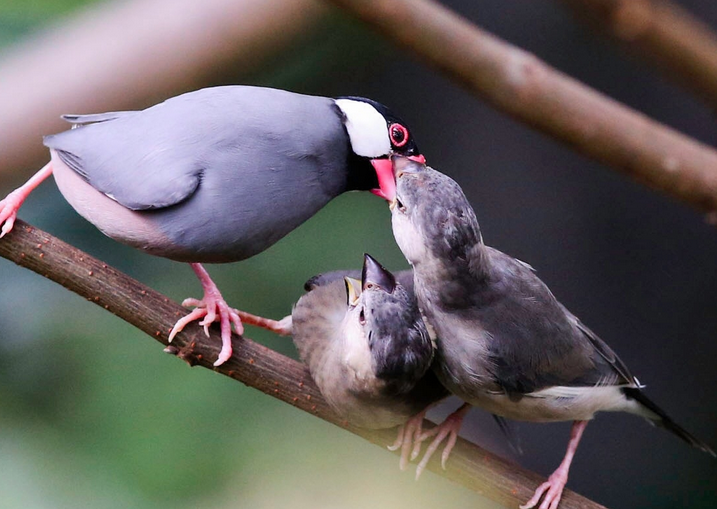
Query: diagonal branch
[521,85]
[252,364]
[681,45]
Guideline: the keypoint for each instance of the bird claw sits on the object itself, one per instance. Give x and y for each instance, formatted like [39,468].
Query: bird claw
[448,428]
[407,438]
[553,491]
[210,309]
[8,211]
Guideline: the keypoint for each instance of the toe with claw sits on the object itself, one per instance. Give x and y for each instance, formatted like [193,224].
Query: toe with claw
[211,308]
[12,202]
[407,439]
[551,491]
[8,211]
[448,428]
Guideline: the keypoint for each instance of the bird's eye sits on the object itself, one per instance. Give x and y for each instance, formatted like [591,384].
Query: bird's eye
[400,205]
[362,317]
[399,135]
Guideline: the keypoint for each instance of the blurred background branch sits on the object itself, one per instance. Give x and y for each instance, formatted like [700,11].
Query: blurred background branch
[681,45]
[174,45]
[521,85]
[252,364]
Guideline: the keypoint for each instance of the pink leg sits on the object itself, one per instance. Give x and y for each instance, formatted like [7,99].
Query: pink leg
[12,202]
[553,487]
[281,327]
[211,306]
[448,428]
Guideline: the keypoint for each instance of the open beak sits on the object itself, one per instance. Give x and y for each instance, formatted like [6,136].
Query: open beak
[353,291]
[386,177]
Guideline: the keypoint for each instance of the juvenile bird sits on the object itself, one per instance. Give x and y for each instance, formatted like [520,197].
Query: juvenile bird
[216,175]
[366,348]
[505,344]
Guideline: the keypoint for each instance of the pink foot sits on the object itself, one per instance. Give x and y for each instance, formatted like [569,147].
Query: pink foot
[8,211]
[407,438]
[12,202]
[448,428]
[211,307]
[281,327]
[552,490]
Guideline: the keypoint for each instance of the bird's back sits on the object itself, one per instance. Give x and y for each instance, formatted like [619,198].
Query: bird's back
[222,172]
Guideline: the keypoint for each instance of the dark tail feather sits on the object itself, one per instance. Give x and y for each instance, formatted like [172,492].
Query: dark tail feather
[510,434]
[665,421]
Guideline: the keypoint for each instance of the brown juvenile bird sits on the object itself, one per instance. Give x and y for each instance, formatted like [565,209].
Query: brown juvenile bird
[366,348]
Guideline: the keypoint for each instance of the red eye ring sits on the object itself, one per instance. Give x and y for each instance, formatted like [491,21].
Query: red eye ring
[398,134]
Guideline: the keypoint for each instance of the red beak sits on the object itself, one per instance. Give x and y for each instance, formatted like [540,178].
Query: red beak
[386,178]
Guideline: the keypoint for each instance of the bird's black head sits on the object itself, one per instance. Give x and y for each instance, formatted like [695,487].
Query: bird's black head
[388,318]
[375,133]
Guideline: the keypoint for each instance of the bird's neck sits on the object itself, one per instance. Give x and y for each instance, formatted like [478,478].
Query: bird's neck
[361,175]
[449,277]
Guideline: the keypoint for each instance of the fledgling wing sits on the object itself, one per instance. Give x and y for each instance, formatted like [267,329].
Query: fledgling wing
[535,342]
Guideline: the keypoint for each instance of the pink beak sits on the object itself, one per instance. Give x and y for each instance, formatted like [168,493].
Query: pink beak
[386,178]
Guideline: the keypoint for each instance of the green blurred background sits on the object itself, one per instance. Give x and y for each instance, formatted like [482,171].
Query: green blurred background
[93,414]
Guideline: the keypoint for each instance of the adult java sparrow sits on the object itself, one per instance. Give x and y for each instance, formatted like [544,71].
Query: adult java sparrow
[505,344]
[366,347]
[216,175]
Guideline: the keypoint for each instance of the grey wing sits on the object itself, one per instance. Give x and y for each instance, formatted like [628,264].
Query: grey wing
[143,160]
[536,343]
[605,352]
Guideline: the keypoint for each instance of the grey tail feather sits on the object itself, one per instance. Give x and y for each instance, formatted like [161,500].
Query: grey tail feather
[510,434]
[663,420]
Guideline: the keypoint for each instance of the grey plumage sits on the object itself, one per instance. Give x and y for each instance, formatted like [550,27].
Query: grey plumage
[370,358]
[222,173]
[505,343]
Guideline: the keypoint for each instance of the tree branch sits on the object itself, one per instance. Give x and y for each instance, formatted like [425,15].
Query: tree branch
[521,85]
[672,38]
[252,364]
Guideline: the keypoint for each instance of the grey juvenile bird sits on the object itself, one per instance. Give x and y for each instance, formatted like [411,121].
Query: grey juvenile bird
[505,344]
[366,348]
[216,175]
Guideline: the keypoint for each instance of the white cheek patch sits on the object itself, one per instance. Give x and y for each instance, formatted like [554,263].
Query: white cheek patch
[367,128]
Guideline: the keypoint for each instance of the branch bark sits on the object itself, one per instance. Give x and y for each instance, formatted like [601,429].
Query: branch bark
[673,39]
[519,84]
[252,364]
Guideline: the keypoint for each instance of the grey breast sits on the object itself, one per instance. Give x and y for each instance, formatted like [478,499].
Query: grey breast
[222,172]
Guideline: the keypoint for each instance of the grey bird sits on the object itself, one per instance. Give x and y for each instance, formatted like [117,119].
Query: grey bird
[505,344]
[216,175]
[366,347]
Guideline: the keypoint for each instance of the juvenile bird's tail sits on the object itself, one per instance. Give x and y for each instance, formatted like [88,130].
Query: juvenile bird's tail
[660,418]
